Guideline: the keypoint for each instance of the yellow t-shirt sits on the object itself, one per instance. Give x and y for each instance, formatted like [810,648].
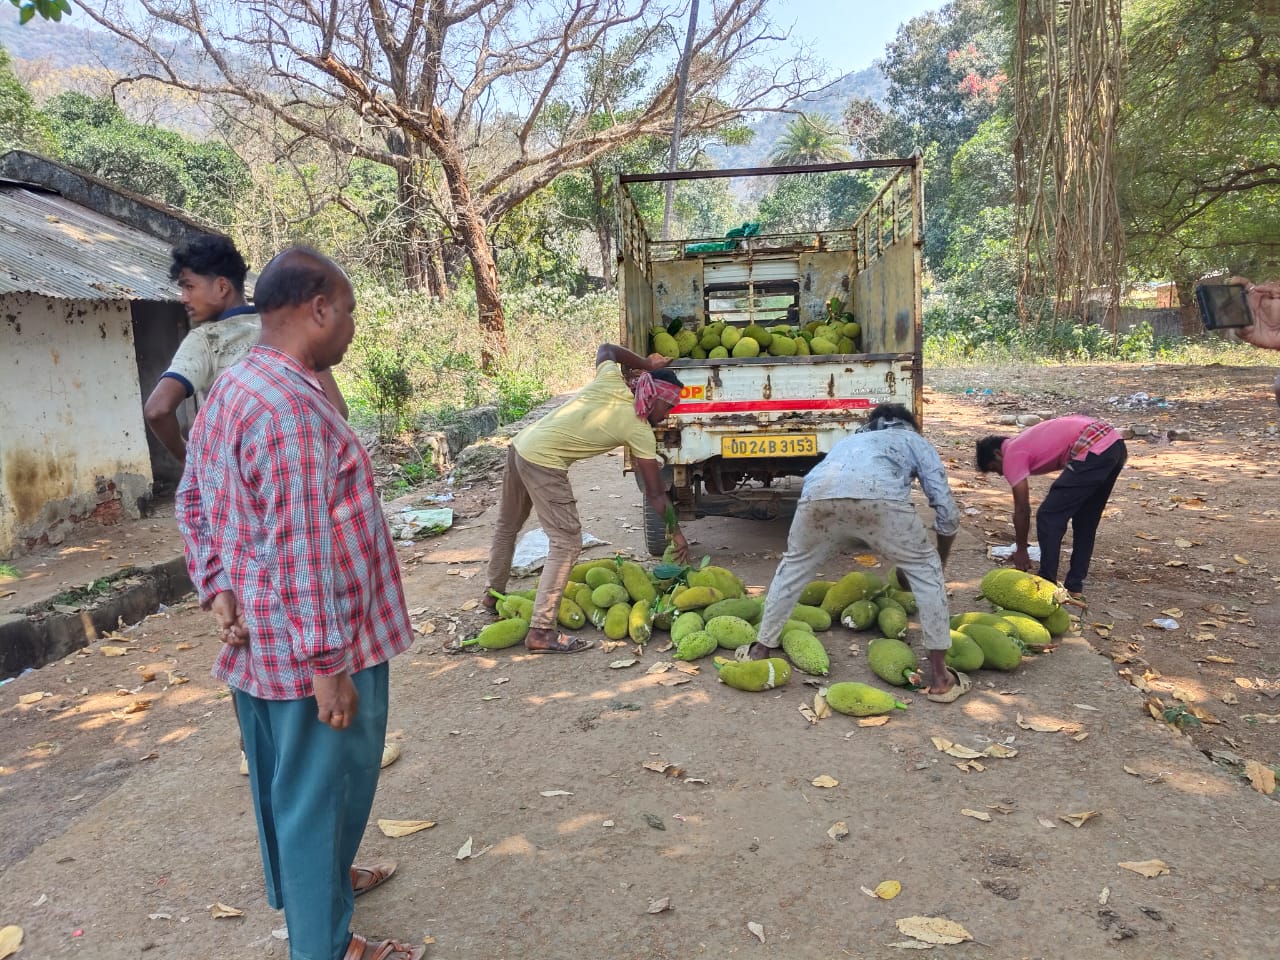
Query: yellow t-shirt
[600,417]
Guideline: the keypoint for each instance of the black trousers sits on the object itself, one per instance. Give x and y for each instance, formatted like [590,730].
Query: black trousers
[1078,495]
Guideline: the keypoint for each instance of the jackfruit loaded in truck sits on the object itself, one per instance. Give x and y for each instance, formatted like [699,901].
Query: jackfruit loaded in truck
[784,336]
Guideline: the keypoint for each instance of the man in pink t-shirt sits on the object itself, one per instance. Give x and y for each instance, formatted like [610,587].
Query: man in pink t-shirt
[1090,454]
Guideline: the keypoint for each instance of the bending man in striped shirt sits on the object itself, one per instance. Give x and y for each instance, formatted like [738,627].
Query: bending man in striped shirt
[286,543]
[1090,454]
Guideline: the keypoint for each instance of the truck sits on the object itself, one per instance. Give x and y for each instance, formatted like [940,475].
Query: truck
[747,427]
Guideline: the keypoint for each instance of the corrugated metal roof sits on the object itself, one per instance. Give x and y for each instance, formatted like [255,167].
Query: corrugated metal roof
[56,248]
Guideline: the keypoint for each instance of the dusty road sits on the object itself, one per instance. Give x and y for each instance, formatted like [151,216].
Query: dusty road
[122,824]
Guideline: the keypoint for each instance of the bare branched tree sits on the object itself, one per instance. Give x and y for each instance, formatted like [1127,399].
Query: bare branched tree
[486,94]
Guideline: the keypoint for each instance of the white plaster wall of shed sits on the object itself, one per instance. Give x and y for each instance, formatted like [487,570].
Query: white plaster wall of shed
[71,426]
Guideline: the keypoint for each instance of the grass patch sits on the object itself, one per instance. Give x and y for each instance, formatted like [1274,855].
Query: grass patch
[82,596]
[9,572]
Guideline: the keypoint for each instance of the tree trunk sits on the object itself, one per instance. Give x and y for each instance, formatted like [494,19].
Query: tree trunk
[682,82]
[604,235]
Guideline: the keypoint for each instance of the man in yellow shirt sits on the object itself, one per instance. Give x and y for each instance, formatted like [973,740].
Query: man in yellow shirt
[603,415]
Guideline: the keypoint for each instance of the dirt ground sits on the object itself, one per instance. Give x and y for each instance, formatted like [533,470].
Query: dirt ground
[123,817]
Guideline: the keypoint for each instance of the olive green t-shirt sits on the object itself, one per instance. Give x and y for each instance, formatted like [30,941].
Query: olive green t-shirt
[600,417]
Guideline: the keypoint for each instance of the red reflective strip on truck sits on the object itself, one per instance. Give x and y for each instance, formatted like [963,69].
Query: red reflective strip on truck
[772,406]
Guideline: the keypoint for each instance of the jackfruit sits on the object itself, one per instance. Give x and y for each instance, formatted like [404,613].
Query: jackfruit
[782,346]
[685,624]
[697,353]
[579,572]
[599,576]
[695,598]
[964,654]
[637,583]
[709,340]
[806,652]
[821,346]
[750,609]
[858,585]
[754,675]
[759,334]
[1033,634]
[746,347]
[665,344]
[615,621]
[512,607]
[1023,592]
[730,337]
[609,594]
[891,660]
[580,594]
[686,340]
[884,601]
[570,615]
[812,594]
[844,345]
[852,330]
[695,645]
[795,625]
[802,347]
[986,619]
[892,622]
[722,578]
[718,353]
[827,332]
[731,632]
[500,635]
[905,599]
[999,651]
[815,617]
[860,615]
[639,623]
[1058,622]
[861,700]
[663,613]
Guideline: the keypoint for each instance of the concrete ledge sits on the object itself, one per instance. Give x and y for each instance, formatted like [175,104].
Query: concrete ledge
[38,635]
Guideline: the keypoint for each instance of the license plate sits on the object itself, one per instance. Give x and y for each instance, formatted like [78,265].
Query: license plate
[770,445]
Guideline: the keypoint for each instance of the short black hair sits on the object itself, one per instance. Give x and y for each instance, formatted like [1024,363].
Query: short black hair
[987,449]
[894,411]
[293,277]
[209,255]
[667,376]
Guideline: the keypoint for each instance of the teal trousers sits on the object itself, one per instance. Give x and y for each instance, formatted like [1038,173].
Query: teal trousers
[313,790]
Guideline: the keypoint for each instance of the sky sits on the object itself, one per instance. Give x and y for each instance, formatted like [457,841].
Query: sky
[848,34]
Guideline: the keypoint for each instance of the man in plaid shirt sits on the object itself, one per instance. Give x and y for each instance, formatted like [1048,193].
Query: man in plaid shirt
[1090,454]
[286,543]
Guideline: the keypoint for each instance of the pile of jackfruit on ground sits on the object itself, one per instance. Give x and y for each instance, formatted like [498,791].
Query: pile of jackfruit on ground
[838,333]
[706,611]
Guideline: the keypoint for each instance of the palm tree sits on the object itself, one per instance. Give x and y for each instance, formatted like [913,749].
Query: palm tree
[809,139]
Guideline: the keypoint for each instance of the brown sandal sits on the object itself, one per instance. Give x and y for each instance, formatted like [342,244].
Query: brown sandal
[364,879]
[564,644]
[384,950]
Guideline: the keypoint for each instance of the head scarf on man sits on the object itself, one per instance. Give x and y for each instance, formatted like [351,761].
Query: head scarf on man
[650,390]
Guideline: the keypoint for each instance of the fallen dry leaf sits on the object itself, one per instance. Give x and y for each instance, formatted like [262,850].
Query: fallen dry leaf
[1214,658]
[674,681]
[623,664]
[873,721]
[806,711]
[554,793]
[955,749]
[470,605]
[911,945]
[10,941]
[977,815]
[1148,868]
[1041,726]
[757,930]
[1262,777]
[138,706]
[888,889]
[658,906]
[1078,819]
[402,828]
[662,666]
[29,698]
[611,645]
[662,766]
[111,650]
[999,751]
[820,708]
[838,830]
[1046,823]
[825,782]
[220,911]
[692,669]
[1104,896]
[933,929]
[464,851]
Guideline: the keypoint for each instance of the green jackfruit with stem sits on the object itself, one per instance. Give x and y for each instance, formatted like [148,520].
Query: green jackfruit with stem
[731,632]
[1033,634]
[500,635]
[1023,592]
[685,624]
[636,580]
[892,622]
[696,598]
[609,594]
[858,585]
[861,700]
[570,615]
[999,651]
[694,646]
[860,615]
[750,609]
[964,653]
[816,617]
[640,623]
[599,576]
[721,578]
[813,594]
[754,675]
[891,660]
[1058,622]
[615,621]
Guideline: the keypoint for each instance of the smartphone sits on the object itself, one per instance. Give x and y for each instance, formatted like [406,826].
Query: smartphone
[1223,305]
